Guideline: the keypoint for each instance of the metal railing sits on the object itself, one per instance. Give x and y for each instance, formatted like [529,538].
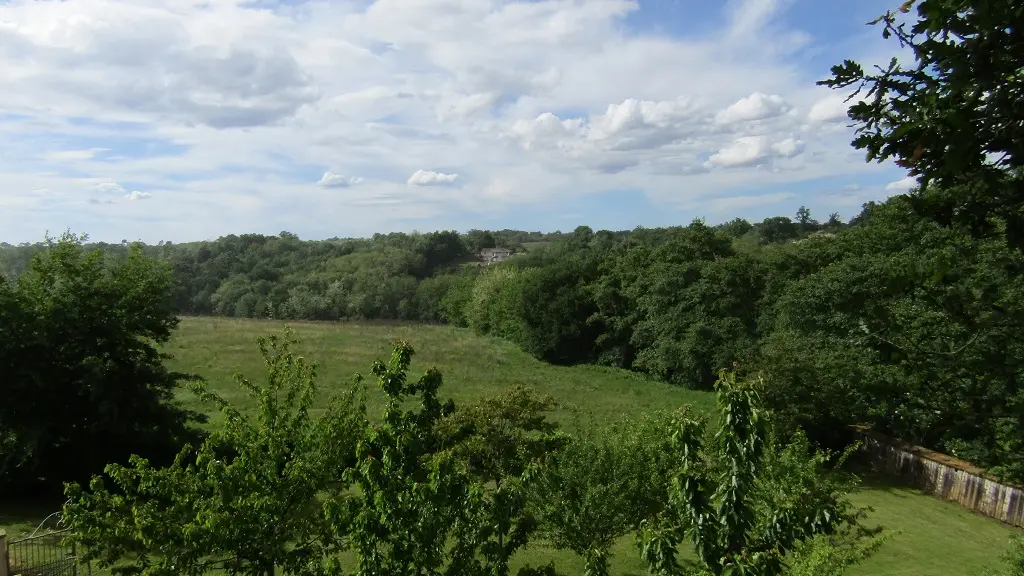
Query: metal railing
[47,553]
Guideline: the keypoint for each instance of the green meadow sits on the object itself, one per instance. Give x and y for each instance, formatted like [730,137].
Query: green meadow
[934,537]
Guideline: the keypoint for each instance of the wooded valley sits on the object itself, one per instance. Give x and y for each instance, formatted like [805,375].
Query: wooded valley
[907,319]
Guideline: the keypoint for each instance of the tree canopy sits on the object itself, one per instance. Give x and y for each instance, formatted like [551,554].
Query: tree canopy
[84,379]
[952,116]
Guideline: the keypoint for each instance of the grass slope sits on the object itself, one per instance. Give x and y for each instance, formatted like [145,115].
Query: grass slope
[936,537]
[472,366]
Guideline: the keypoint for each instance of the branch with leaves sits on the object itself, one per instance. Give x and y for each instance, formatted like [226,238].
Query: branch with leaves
[952,117]
[743,501]
[411,490]
[503,441]
[247,499]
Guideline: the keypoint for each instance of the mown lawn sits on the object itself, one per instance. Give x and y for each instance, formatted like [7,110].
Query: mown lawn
[936,537]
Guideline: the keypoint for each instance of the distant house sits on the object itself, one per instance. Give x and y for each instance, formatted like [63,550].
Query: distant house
[491,255]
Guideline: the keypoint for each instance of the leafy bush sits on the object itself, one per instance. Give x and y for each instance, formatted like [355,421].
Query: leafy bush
[84,378]
[744,500]
[598,489]
[246,500]
[1013,558]
[497,305]
[502,441]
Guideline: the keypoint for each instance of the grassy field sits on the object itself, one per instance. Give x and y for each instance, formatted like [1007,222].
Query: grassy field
[936,537]
[473,367]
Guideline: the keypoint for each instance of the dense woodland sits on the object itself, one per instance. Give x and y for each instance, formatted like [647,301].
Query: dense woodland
[392,276]
[891,320]
[908,318]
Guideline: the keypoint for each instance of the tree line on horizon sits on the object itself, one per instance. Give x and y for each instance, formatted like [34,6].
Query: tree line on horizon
[323,489]
[387,276]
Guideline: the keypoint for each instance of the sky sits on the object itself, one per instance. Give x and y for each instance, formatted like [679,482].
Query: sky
[187,120]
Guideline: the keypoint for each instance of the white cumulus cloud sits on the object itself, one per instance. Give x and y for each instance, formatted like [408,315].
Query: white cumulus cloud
[109,188]
[333,180]
[429,178]
[136,195]
[632,114]
[547,130]
[902,185]
[745,151]
[757,106]
[788,148]
[829,109]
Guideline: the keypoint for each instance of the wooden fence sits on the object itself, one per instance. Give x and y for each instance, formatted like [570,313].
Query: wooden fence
[944,476]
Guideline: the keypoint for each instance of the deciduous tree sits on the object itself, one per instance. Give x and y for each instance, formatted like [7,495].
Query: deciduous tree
[602,486]
[411,490]
[84,379]
[247,500]
[504,440]
[742,500]
[952,116]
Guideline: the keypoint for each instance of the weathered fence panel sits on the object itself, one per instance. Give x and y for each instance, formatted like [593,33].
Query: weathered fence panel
[944,476]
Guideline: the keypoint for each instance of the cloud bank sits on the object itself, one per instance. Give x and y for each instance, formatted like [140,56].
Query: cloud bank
[348,118]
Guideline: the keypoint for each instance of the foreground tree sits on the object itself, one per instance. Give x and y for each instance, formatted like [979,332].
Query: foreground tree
[834,554]
[915,332]
[246,500]
[744,501]
[503,440]
[601,487]
[84,379]
[411,491]
[952,117]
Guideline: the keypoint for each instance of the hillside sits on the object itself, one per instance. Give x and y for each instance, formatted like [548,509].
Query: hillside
[936,537]
[677,304]
[473,366]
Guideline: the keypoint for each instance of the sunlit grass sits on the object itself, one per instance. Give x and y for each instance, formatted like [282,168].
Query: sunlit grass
[937,537]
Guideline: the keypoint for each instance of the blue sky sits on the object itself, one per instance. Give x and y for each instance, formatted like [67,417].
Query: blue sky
[187,120]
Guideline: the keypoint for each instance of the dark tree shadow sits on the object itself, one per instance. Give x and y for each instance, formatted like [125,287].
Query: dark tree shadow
[21,517]
[871,479]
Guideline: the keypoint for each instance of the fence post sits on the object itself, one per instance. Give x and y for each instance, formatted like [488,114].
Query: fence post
[3,553]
